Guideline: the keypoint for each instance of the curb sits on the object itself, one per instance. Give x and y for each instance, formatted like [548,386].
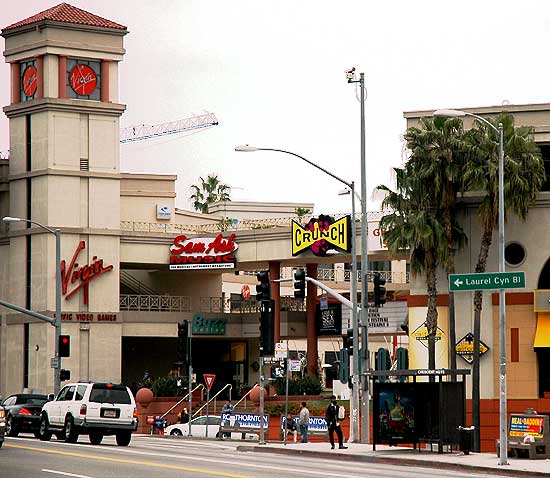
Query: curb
[501,471]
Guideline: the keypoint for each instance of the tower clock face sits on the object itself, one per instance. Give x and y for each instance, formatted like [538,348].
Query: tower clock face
[29,80]
[83,80]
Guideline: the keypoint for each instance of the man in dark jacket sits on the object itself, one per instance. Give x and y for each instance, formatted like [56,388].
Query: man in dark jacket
[333,424]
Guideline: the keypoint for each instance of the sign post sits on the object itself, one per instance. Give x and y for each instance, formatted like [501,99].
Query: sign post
[208,380]
[486,281]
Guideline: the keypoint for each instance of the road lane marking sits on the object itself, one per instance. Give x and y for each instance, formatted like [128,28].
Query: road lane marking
[64,473]
[131,462]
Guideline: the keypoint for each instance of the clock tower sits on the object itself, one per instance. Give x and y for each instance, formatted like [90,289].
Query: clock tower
[63,173]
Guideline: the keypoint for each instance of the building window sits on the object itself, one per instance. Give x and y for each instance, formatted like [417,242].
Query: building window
[514,254]
[29,80]
[545,152]
[331,373]
[83,79]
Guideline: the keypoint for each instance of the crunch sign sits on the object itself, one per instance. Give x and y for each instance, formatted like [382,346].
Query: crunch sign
[321,235]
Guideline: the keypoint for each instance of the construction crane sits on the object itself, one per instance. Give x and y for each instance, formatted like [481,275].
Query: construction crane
[145,131]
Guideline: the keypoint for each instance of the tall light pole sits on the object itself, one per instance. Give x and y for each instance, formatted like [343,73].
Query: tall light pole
[503,460]
[355,324]
[57,234]
[365,399]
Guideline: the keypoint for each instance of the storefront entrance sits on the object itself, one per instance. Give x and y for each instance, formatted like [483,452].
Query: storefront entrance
[227,359]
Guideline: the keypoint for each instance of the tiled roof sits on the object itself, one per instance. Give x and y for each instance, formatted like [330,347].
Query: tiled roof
[67,14]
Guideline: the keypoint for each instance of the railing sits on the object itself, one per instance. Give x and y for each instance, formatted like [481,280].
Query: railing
[228,305]
[186,397]
[244,397]
[219,225]
[155,303]
[214,399]
[340,275]
[137,286]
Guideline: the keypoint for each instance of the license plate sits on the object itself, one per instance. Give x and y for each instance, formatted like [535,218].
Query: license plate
[109,413]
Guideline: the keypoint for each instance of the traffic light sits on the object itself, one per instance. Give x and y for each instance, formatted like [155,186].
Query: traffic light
[383,361]
[181,344]
[267,328]
[263,289]
[379,290]
[64,345]
[343,371]
[64,375]
[348,341]
[402,361]
[300,284]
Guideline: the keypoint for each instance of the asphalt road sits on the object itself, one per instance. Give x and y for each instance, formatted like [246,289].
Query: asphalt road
[150,457]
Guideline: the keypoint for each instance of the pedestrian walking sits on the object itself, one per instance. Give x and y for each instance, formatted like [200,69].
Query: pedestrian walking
[333,422]
[303,421]
[291,427]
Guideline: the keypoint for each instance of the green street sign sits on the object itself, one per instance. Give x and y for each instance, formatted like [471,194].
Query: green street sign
[486,281]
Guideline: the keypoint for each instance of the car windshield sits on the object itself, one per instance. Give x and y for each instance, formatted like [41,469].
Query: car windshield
[108,393]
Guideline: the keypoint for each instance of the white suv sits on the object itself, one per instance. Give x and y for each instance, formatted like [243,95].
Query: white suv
[93,408]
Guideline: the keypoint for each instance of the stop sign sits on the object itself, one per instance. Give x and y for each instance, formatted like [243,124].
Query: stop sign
[245,292]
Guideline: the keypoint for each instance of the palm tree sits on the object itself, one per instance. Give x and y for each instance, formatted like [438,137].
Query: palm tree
[415,225]
[439,147]
[209,191]
[523,177]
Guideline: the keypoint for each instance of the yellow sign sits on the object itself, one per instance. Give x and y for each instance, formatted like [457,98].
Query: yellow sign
[465,348]
[321,234]
[418,338]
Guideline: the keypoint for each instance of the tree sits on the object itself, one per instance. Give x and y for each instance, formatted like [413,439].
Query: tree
[523,177]
[438,146]
[209,191]
[415,225]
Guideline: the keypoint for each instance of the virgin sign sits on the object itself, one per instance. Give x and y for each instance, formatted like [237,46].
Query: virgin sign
[203,253]
[81,275]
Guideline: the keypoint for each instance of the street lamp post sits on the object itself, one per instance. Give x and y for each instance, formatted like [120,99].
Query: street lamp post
[355,323]
[503,460]
[365,400]
[57,234]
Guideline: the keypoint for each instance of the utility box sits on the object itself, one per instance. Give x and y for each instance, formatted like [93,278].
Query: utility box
[528,436]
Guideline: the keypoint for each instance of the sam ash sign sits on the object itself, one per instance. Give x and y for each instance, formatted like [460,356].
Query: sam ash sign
[321,235]
[203,253]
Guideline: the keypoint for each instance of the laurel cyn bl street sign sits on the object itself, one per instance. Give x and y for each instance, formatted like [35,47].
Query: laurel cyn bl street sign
[486,281]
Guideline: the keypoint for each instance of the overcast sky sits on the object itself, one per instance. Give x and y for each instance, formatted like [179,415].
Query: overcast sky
[273,73]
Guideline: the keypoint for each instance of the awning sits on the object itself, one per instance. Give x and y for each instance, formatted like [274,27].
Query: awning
[542,336]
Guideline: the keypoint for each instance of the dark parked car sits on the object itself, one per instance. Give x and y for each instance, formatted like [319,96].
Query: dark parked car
[23,413]
[2,425]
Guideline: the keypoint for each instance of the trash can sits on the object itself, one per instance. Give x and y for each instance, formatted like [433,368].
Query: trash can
[466,435]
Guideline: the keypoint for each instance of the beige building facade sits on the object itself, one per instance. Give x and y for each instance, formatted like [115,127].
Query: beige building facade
[526,249]
[121,302]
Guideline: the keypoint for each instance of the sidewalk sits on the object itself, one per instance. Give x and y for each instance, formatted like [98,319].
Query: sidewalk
[480,462]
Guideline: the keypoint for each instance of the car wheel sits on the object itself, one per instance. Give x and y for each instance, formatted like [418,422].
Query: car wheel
[60,435]
[123,438]
[95,438]
[11,428]
[71,434]
[176,433]
[45,433]
[37,434]
[1,443]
